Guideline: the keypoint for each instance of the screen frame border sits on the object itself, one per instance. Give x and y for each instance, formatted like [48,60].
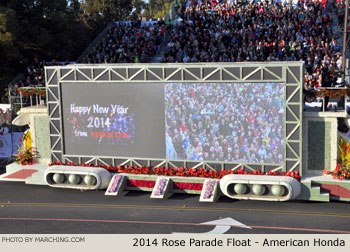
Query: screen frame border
[289,73]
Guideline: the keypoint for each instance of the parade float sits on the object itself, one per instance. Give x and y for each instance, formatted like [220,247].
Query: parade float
[117,128]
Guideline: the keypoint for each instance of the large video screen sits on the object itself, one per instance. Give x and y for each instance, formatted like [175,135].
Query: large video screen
[225,122]
[124,120]
[231,122]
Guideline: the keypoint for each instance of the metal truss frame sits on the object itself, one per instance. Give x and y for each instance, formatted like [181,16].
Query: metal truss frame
[289,73]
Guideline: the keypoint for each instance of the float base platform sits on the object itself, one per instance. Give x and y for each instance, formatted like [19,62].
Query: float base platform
[33,174]
[324,188]
[313,188]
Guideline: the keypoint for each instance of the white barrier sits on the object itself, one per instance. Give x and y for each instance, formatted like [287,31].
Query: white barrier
[77,177]
[260,187]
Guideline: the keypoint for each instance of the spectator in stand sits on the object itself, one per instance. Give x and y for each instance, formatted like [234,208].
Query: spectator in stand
[340,10]
[2,118]
[34,77]
[128,42]
[35,73]
[223,31]
[232,31]
[14,89]
[8,116]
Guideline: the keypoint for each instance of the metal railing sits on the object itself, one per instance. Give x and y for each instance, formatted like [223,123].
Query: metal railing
[26,96]
[341,103]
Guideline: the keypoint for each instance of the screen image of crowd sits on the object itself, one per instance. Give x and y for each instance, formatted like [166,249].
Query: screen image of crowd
[231,122]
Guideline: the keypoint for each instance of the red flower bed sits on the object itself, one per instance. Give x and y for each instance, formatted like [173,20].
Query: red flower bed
[188,186]
[32,91]
[342,170]
[333,93]
[177,185]
[141,183]
[181,172]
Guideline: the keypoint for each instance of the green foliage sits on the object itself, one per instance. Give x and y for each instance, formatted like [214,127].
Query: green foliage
[53,29]
[8,52]
[38,28]
[158,8]
[97,12]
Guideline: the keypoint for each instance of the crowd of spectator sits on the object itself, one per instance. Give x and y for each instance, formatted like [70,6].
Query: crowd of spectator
[225,31]
[340,11]
[226,122]
[235,31]
[34,75]
[128,42]
[35,72]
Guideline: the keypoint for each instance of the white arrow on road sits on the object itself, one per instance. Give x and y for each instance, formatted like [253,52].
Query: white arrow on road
[221,226]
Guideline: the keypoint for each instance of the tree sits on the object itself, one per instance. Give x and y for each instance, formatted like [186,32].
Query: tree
[37,28]
[158,8]
[97,12]
[54,29]
[9,53]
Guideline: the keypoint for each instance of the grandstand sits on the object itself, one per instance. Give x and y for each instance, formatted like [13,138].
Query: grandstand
[220,31]
[223,31]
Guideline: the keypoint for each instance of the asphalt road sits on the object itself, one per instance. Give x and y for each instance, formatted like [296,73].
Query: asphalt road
[29,209]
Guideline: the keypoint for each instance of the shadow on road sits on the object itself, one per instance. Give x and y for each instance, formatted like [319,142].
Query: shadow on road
[4,162]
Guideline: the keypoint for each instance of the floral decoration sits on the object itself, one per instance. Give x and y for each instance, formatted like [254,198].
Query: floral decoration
[32,91]
[342,170]
[160,187]
[332,93]
[26,157]
[26,154]
[141,183]
[188,186]
[180,172]
[209,189]
[115,182]
[176,185]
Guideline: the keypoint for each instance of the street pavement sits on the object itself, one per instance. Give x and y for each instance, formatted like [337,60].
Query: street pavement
[33,209]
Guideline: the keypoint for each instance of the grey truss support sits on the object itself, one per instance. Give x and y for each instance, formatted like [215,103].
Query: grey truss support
[289,73]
